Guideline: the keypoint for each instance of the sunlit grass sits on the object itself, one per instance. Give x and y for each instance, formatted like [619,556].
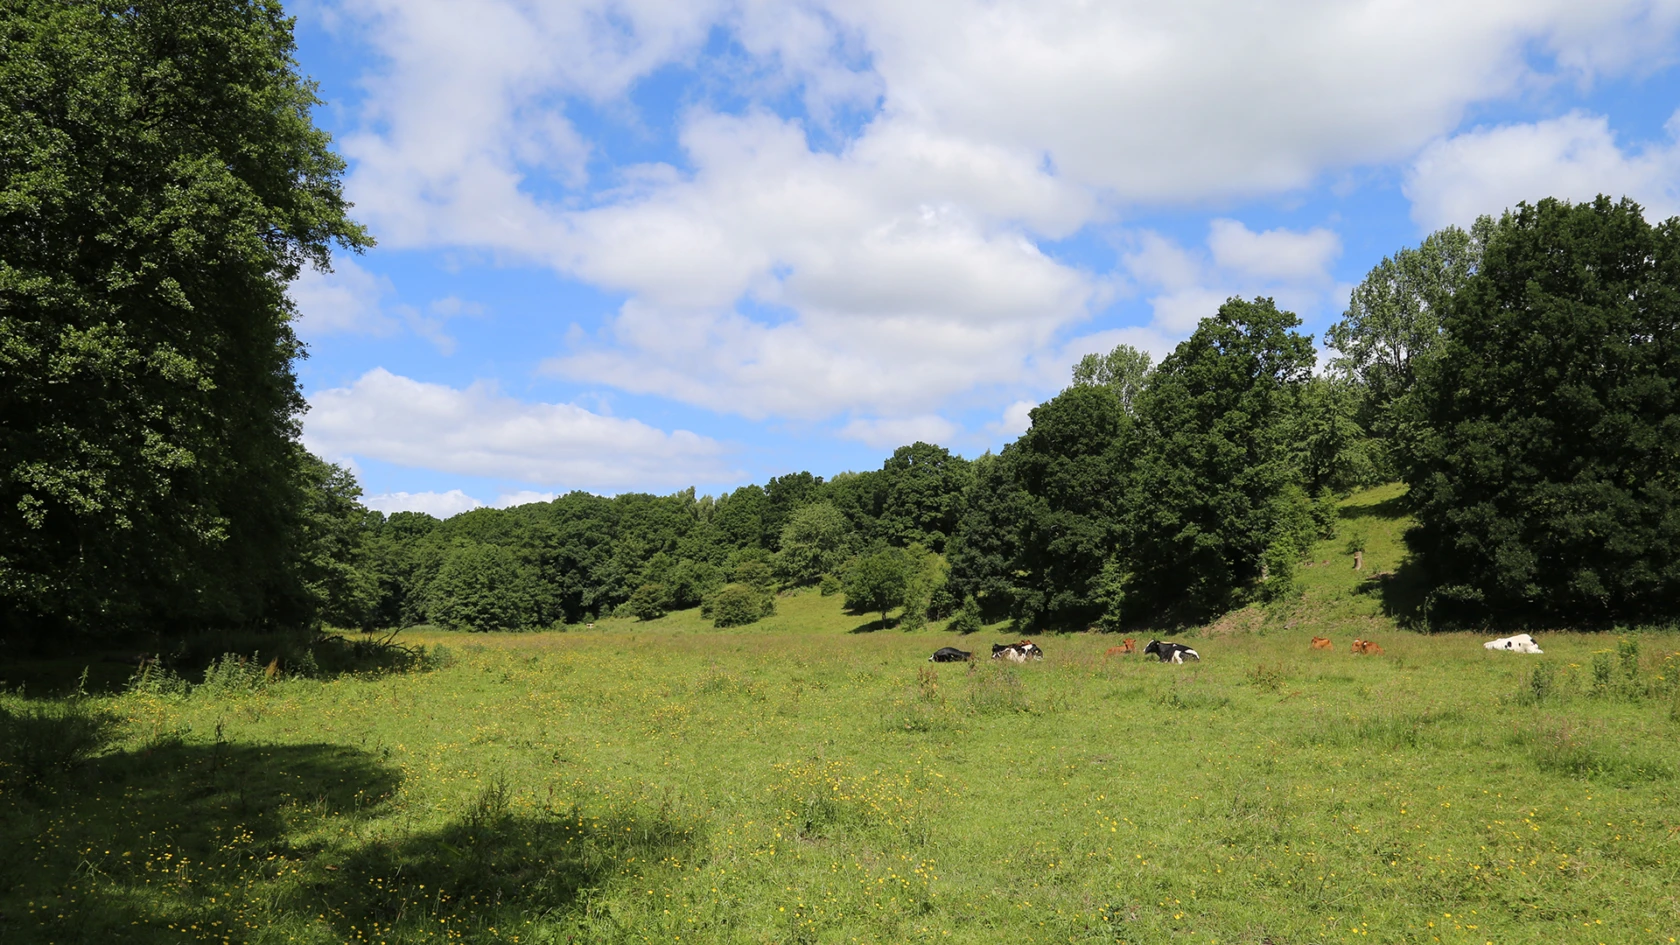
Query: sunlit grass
[794,781]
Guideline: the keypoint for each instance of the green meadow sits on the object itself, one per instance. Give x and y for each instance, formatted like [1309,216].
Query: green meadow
[812,778]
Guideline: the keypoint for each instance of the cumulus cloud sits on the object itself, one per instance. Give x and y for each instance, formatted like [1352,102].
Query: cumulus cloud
[522,497]
[1575,157]
[1016,419]
[347,300]
[1185,285]
[480,432]
[1274,254]
[901,267]
[436,504]
[892,433]
[352,300]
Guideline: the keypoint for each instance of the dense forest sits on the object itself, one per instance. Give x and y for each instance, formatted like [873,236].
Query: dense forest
[163,184]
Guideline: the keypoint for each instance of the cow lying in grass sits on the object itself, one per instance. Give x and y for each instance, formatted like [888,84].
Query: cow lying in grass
[1321,643]
[950,654]
[1521,643]
[1017,652]
[1129,646]
[1171,652]
[1363,647]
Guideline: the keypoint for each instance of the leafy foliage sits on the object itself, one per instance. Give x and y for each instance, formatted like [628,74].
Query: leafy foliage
[1546,480]
[1072,468]
[163,183]
[1219,502]
[1125,370]
[736,605]
[878,582]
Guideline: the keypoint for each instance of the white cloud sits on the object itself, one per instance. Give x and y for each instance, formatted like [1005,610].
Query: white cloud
[1016,419]
[436,504]
[901,269]
[348,300]
[480,432]
[1189,285]
[1274,254]
[522,497]
[1575,157]
[352,300]
[902,431]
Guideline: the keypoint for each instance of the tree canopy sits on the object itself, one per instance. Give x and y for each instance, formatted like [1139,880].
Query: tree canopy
[1546,480]
[163,182]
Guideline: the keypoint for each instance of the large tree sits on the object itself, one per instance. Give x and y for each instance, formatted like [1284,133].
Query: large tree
[1393,326]
[161,182]
[922,486]
[1125,370]
[1219,502]
[1071,466]
[1547,478]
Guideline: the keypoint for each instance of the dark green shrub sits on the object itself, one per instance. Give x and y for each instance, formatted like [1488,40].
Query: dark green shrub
[737,605]
[648,602]
[967,619]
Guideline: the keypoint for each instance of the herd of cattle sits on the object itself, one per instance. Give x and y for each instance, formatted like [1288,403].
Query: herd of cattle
[1027,650]
[1176,652]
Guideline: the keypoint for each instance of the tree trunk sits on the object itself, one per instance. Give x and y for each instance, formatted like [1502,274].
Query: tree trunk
[1359,560]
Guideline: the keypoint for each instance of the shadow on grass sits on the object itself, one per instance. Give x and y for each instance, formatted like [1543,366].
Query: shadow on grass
[1393,508]
[179,841]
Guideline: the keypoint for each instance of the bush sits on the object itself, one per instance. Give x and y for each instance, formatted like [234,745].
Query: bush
[967,619]
[737,605]
[830,585]
[647,603]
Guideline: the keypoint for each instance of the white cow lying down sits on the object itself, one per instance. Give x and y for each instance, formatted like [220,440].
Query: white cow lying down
[1521,643]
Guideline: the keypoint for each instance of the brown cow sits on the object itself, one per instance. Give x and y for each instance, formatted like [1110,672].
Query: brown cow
[1321,643]
[1367,647]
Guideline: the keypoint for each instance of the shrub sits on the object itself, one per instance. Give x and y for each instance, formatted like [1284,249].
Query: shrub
[648,602]
[967,619]
[737,605]
[830,585]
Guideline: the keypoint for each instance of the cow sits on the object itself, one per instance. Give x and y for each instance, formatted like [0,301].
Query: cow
[1129,646]
[1363,647]
[1321,643]
[950,654]
[1521,643]
[1017,652]
[1171,652]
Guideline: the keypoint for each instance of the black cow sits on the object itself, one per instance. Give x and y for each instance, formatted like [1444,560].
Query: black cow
[950,654]
[1171,652]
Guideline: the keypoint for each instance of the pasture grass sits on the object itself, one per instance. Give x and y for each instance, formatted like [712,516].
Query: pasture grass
[808,779]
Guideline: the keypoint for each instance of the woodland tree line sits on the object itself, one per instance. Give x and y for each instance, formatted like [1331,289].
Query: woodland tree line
[1522,378]
[163,184]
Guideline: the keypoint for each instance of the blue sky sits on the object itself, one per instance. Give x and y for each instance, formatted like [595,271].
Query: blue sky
[639,245]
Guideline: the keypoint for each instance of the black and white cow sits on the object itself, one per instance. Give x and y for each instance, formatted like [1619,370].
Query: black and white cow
[1017,652]
[1171,652]
[950,654]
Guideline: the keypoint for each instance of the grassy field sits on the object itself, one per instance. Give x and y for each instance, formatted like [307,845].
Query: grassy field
[806,780]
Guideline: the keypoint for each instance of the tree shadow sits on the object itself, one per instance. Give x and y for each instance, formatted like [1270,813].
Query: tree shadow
[179,840]
[138,846]
[492,870]
[1392,508]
